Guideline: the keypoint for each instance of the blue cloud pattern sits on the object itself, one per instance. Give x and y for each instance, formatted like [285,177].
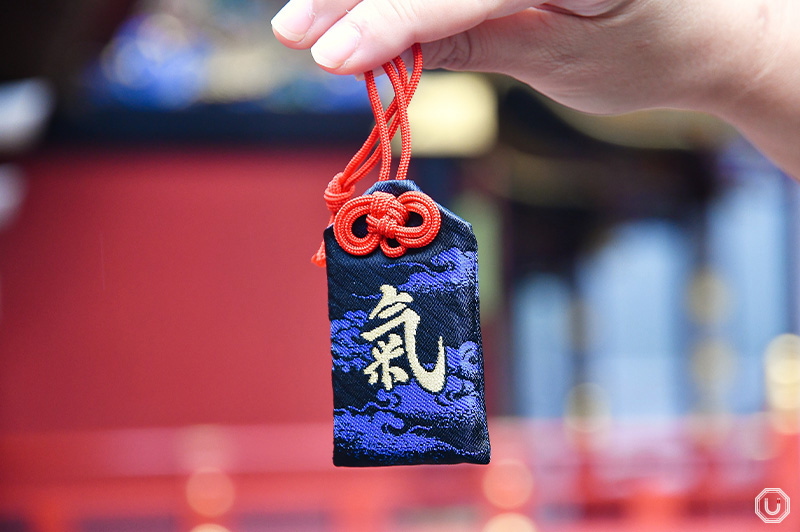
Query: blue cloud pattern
[408,424]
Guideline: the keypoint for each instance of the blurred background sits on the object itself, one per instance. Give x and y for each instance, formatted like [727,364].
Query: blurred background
[164,348]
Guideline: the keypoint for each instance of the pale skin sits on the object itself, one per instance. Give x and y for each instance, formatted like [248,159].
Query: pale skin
[737,59]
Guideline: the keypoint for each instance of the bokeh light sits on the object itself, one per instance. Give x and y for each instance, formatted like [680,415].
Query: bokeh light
[709,300]
[210,492]
[510,522]
[782,374]
[508,484]
[782,361]
[588,414]
[209,527]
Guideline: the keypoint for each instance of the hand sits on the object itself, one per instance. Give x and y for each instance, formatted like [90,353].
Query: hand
[595,55]
[733,58]
[357,35]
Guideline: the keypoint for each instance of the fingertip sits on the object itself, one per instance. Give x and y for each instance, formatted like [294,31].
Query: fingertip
[292,22]
[335,48]
[285,35]
[297,45]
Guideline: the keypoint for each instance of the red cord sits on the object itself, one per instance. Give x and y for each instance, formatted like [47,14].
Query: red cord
[386,214]
[386,218]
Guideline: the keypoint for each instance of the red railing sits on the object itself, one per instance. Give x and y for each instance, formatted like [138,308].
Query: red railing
[281,478]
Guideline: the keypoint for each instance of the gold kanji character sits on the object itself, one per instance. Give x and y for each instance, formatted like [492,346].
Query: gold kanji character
[393,307]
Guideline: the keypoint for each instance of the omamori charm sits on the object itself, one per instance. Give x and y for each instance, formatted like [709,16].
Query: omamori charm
[406,346]
[403,305]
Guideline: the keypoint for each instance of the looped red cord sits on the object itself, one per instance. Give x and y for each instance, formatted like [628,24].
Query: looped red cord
[386,220]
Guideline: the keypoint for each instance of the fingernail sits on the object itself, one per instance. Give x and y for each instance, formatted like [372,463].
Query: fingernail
[294,20]
[337,45]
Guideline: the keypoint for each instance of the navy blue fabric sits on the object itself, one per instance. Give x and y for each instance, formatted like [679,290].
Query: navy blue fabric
[398,419]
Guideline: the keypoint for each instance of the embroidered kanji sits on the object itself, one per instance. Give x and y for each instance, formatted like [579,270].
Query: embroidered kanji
[393,307]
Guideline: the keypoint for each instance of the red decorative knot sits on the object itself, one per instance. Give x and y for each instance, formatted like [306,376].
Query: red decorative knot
[387,221]
[386,218]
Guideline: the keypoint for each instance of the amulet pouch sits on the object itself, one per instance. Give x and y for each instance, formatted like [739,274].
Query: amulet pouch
[408,383]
